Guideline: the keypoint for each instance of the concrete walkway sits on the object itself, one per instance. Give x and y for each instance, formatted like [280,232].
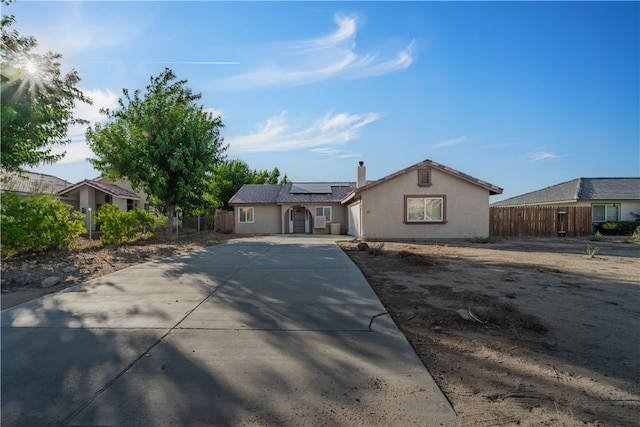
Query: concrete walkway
[258,331]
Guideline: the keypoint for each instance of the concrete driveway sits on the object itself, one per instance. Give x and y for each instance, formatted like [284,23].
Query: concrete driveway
[258,331]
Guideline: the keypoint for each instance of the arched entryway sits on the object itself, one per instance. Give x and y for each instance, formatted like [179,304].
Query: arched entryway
[299,220]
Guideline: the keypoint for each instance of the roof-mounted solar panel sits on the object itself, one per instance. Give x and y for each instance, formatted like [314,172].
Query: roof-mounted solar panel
[311,188]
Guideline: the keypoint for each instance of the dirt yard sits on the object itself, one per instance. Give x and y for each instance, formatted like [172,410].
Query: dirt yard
[519,332]
[540,332]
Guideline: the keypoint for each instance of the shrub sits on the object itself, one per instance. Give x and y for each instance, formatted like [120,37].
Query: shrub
[377,249]
[118,227]
[597,236]
[618,228]
[37,223]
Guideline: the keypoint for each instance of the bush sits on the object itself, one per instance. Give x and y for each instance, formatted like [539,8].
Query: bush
[118,227]
[618,228]
[37,223]
[597,236]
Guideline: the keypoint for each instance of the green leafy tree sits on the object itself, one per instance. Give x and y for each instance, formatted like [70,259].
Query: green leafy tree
[229,175]
[163,142]
[268,177]
[37,101]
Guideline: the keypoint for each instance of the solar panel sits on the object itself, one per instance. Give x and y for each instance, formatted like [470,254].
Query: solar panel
[311,188]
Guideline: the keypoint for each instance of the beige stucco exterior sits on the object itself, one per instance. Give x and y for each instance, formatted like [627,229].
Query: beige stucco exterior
[275,218]
[383,208]
[375,209]
[265,220]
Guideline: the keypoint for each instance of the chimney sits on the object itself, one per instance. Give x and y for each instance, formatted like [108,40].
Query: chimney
[362,175]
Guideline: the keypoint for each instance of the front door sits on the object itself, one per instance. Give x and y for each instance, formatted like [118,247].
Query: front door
[298,220]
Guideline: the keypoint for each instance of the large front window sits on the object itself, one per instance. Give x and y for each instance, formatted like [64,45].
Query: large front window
[605,212]
[245,214]
[424,209]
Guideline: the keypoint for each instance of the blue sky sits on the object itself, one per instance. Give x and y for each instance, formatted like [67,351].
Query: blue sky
[522,95]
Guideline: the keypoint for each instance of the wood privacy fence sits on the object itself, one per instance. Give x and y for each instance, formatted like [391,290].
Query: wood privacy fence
[540,221]
[223,221]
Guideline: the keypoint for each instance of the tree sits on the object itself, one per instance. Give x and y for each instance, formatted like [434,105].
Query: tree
[163,142]
[228,176]
[266,177]
[37,101]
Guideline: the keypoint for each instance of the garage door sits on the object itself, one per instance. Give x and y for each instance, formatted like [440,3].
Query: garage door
[354,220]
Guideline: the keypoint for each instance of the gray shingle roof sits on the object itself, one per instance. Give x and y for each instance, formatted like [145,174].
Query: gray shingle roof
[102,185]
[256,193]
[31,182]
[579,189]
[275,193]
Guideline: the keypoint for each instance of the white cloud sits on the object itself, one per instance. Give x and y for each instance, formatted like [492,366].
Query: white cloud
[276,135]
[78,149]
[541,154]
[214,112]
[73,32]
[450,142]
[335,153]
[308,61]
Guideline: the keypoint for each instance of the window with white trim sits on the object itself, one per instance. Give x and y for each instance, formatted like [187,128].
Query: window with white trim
[324,211]
[245,214]
[603,212]
[421,209]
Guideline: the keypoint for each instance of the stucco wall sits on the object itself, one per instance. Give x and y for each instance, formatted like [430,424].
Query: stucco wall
[467,208]
[123,183]
[338,215]
[266,219]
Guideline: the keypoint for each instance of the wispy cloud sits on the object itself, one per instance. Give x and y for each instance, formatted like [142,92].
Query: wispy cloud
[335,153]
[78,149]
[330,57]
[542,154]
[449,142]
[75,33]
[277,135]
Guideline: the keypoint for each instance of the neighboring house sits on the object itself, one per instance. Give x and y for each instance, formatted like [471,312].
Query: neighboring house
[26,183]
[91,194]
[424,201]
[610,199]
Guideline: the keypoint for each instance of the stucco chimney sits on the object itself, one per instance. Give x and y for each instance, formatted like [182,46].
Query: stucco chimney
[362,175]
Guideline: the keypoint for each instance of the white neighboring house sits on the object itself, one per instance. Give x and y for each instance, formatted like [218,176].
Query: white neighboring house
[93,193]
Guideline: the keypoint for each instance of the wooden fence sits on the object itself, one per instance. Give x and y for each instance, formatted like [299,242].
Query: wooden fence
[540,221]
[224,221]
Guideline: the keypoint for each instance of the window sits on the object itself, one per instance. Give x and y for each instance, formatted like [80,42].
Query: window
[245,214]
[420,209]
[129,205]
[424,177]
[324,211]
[605,212]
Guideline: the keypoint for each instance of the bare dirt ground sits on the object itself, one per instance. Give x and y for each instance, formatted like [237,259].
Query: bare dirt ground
[556,334]
[531,332]
[22,275]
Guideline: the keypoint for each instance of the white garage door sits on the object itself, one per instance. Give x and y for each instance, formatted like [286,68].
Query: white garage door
[354,220]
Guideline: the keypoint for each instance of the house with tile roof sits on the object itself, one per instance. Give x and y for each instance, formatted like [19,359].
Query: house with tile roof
[91,194]
[610,199]
[26,183]
[427,200]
